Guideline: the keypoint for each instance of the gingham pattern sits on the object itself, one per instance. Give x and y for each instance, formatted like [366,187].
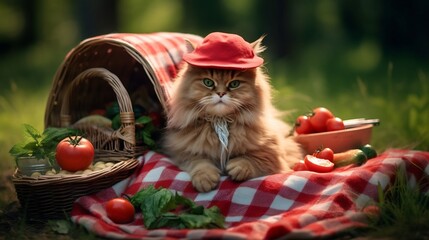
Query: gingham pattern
[295,205]
[160,52]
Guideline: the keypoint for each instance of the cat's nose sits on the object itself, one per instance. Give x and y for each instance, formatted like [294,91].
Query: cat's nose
[221,94]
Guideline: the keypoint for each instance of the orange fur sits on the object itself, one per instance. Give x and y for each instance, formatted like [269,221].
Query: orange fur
[258,142]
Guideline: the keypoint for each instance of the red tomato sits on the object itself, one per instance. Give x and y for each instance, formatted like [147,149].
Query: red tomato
[317,164]
[303,125]
[325,153]
[319,117]
[371,210]
[300,166]
[334,124]
[156,118]
[74,153]
[101,112]
[120,210]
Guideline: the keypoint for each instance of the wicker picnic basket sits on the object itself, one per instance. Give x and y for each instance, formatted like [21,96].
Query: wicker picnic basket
[130,69]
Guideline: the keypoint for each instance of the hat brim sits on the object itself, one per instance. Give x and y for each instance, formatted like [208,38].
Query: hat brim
[196,60]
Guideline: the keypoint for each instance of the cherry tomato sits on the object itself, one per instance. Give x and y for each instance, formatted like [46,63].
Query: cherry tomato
[156,118]
[325,153]
[101,112]
[371,210]
[74,153]
[120,210]
[300,166]
[303,125]
[334,124]
[319,117]
[317,164]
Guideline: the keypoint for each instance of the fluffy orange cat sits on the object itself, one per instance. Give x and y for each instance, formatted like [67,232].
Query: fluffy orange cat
[221,120]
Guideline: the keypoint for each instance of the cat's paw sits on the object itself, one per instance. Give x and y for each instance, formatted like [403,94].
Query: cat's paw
[205,180]
[240,169]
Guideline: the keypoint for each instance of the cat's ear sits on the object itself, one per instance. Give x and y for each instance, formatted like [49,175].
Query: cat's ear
[189,46]
[257,45]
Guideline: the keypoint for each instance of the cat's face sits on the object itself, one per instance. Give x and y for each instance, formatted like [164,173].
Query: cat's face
[220,92]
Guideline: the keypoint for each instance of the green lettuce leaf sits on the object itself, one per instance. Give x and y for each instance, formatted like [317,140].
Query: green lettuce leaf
[161,208]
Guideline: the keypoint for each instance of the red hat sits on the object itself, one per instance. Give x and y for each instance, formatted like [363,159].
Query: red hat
[223,50]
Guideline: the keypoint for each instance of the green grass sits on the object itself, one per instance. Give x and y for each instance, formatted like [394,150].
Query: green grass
[404,211]
[16,108]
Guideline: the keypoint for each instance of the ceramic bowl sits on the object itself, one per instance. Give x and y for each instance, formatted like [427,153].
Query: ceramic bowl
[338,141]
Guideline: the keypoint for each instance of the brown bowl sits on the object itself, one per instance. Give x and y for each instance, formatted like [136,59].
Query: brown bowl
[338,141]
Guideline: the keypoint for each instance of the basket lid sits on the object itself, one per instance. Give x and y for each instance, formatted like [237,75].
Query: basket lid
[158,55]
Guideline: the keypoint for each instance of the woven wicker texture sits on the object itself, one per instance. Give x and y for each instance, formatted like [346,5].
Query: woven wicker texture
[125,68]
[107,142]
[52,196]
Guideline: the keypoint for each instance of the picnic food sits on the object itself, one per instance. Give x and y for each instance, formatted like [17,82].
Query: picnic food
[334,124]
[120,210]
[319,117]
[74,153]
[96,120]
[40,145]
[369,151]
[325,153]
[100,165]
[318,164]
[162,208]
[352,156]
[156,118]
[319,120]
[303,125]
[300,166]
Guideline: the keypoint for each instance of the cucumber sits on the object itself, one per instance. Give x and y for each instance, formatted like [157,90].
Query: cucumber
[352,156]
[369,151]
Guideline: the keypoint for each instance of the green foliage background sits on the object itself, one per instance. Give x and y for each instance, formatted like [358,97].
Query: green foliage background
[358,58]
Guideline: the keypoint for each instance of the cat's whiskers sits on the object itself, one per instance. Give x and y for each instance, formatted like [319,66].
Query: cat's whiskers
[244,110]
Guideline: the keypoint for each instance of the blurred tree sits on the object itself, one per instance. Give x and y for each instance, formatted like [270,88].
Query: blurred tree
[273,19]
[403,27]
[24,24]
[204,16]
[96,17]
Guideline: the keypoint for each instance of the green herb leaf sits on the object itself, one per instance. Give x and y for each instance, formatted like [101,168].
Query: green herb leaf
[144,120]
[55,135]
[154,205]
[185,202]
[40,145]
[31,146]
[194,221]
[17,149]
[147,139]
[32,132]
[157,206]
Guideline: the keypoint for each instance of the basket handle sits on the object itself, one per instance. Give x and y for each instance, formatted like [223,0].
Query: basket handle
[124,101]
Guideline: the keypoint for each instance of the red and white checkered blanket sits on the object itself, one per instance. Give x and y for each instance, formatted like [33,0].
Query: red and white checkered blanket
[300,204]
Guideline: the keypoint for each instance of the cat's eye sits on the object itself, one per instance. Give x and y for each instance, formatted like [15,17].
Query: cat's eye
[208,82]
[234,84]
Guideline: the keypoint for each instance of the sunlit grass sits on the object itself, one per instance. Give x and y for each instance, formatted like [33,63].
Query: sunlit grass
[16,108]
[403,211]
